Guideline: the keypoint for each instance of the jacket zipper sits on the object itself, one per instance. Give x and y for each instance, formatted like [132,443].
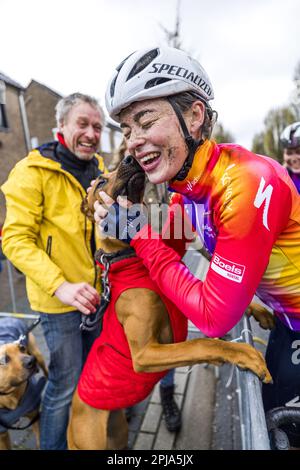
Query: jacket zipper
[89,246]
[49,246]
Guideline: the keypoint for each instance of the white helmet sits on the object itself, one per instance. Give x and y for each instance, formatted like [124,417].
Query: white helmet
[154,73]
[290,137]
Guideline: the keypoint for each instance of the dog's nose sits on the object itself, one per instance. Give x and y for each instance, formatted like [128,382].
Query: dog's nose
[29,362]
[128,160]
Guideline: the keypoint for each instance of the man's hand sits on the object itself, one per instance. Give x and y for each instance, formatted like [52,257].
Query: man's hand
[90,186]
[82,296]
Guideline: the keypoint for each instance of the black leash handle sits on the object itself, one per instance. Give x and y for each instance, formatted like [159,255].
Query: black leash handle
[93,320]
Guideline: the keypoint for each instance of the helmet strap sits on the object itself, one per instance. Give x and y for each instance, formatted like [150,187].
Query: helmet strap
[192,144]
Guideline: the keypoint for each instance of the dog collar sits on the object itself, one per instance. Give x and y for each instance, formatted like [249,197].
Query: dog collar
[29,402]
[102,258]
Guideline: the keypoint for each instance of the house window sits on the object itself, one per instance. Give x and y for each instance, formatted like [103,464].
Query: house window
[34,142]
[105,140]
[55,131]
[3,118]
[110,139]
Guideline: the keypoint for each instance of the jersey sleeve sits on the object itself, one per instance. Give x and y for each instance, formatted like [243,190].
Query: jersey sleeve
[248,223]
[177,231]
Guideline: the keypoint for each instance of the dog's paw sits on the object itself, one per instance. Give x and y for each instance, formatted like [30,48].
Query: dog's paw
[262,316]
[247,357]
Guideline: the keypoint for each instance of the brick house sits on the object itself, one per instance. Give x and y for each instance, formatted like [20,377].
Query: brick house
[14,134]
[27,119]
[40,102]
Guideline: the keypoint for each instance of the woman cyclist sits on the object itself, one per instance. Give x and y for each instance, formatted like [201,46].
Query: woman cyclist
[245,207]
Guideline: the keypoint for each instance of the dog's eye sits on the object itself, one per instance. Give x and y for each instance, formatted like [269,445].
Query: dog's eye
[4,360]
[22,348]
[101,183]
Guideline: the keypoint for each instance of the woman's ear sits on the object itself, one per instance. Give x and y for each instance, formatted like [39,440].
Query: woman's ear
[197,117]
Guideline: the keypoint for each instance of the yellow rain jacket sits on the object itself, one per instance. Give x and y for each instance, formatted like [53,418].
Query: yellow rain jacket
[45,234]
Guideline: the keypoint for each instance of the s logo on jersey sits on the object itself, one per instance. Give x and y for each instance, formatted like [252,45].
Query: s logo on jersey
[263,196]
[228,269]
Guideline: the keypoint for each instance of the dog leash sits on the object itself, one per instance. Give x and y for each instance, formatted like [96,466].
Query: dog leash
[94,320]
[6,426]
[90,322]
[22,340]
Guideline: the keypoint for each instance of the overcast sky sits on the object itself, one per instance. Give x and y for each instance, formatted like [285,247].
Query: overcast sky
[248,47]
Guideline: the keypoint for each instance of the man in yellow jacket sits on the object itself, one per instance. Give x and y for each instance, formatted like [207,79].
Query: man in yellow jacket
[46,236]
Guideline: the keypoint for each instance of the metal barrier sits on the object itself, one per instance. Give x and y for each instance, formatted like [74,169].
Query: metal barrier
[11,285]
[254,432]
[13,313]
[25,316]
[5,262]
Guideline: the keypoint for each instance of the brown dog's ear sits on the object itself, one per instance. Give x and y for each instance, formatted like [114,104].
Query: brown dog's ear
[87,205]
[86,209]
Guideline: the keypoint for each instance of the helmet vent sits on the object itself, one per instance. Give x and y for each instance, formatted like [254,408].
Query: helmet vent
[290,137]
[294,140]
[156,81]
[123,62]
[113,83]
[112,86]
[143,62]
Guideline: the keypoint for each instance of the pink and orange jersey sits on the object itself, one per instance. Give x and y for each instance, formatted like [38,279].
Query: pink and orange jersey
[246,209]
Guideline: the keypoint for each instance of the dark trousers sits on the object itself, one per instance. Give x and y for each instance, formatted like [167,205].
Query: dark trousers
[283,360]
[68,347]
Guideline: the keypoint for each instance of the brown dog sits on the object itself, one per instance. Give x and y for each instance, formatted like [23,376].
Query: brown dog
[142,316]
[19,391]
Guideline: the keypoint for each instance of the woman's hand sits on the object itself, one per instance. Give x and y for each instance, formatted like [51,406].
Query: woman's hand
[101,210]
[121,220]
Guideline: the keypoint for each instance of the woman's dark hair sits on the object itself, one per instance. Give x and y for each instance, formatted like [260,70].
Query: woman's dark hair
[185,100]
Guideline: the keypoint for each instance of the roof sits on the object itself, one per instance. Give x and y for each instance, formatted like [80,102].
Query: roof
[35,82]
[10,82]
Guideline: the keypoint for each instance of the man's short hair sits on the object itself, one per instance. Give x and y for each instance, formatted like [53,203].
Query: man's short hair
[64,106]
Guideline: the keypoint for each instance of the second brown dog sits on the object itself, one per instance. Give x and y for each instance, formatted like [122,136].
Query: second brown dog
[19,392]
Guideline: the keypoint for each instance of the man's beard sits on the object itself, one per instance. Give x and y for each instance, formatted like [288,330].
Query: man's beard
[85,157]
